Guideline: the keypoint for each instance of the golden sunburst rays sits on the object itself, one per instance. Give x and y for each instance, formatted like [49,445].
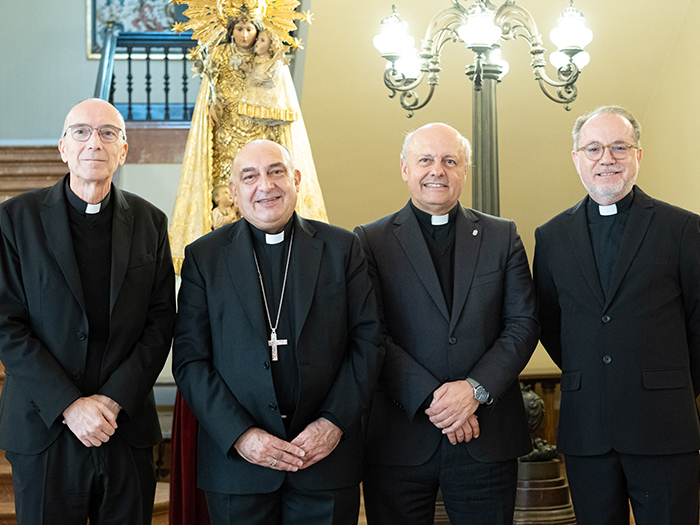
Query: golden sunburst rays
[209,19]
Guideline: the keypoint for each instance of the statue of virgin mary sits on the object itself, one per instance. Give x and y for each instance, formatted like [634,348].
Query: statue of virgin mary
[226,32]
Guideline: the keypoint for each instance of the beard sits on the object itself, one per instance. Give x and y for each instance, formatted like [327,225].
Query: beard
[609,194]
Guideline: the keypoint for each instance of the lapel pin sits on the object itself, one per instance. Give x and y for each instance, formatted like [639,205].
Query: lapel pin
[475,233]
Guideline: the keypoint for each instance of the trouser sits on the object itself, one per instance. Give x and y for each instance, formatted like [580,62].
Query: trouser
[474,493]
[663,490]
[286,506]
[68,483]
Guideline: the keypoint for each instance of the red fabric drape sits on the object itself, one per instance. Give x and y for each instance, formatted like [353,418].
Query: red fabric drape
[188,504]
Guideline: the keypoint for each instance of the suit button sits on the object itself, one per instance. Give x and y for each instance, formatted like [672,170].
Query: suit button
[266,365]
[605,319]
[272,406]
[452,340]
[607,359]
[81,336]
[76,375]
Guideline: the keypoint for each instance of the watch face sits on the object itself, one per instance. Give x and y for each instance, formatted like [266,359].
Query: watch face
[480,394]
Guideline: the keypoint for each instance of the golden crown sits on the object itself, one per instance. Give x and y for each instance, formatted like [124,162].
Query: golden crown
[209,19]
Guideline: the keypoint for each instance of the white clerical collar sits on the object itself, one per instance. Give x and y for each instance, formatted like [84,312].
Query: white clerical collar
[274,238]
[439,220]
[91,209]
[605,211]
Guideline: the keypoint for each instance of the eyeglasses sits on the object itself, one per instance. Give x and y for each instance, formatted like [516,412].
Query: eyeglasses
[596,150]
[83,132]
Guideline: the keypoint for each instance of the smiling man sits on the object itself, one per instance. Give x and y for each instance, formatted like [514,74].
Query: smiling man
[277,351]
[87,310]
[618,282]
[457,306]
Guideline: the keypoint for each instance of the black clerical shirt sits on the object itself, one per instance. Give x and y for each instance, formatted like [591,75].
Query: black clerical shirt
[606,233]
[91,235]
[272,259]
[441,245]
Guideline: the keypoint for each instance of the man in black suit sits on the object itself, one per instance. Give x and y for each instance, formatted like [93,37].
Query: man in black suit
[87,310]
[277,350]
[618,280]
[457,305]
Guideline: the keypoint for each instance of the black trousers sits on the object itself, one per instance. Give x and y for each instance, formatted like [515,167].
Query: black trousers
[663,490]
[68,483]
[474,493]
[286,506]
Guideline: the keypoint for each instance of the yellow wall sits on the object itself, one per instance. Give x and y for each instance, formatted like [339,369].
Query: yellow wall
[671,123]
[356,131]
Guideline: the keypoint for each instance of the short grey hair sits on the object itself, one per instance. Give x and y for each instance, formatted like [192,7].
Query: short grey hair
[608,110]
[465,143]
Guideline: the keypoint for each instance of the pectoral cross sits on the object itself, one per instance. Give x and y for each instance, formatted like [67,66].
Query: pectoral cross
[274,343]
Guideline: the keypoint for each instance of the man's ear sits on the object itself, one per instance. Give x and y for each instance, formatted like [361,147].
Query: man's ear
[234,192]
[62,149]
[122,154]
[575,158]
[404,171]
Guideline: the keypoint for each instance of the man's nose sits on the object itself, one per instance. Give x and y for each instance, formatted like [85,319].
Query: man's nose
[94,141]
[266,183]
[607,157]
[438,169]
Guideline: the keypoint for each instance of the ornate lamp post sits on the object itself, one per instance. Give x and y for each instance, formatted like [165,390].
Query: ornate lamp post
[482,27]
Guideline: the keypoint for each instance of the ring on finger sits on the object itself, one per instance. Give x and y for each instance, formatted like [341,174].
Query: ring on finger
[272,462]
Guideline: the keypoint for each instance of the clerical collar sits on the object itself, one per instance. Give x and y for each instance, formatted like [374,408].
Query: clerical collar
[434,220]
[612,209]
[272,238]
[83,207]
[439,220]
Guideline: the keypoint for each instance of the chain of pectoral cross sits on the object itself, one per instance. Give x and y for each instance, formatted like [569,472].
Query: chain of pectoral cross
[274,342]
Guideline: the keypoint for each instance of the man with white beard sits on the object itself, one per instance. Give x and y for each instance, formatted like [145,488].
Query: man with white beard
[618,283]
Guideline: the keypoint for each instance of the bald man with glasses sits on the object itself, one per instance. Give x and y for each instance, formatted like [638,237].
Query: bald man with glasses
[87,311]
[618,283]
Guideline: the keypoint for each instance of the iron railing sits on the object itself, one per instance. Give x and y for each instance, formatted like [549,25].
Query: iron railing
[153,63]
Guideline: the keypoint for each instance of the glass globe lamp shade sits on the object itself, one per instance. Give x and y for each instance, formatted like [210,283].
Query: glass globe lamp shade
[393,38]
[480,29]
[409,64]
[581,59]
[559,59]
[571,31]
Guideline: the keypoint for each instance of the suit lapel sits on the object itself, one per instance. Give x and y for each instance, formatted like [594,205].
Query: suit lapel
[468,233]
[580,241]
[640,215]
[122,232]
[54,217]
[409,235]
[244,275]
[306,263]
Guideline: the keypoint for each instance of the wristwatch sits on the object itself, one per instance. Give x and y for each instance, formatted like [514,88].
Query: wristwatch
[480,393]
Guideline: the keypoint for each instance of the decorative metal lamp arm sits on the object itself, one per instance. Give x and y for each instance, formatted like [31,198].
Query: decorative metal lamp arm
[517,22]
[441,29]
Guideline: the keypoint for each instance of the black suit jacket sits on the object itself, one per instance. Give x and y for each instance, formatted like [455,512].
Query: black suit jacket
[489,336]
[44,326]
[630,363]
[221,356]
